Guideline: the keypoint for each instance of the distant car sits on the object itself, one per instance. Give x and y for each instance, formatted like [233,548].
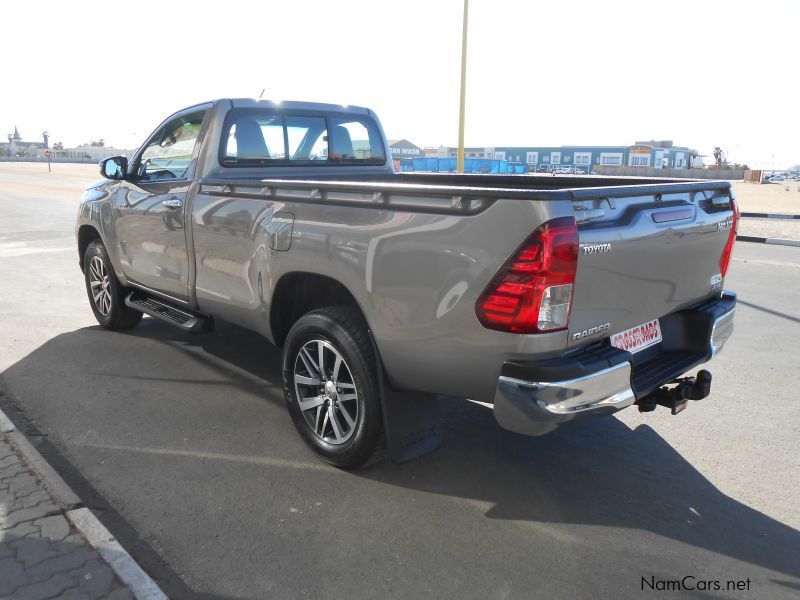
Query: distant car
[777,179]
[563,170]
[578,171]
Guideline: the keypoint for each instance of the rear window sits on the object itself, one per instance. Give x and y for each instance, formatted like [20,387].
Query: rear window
[259,137]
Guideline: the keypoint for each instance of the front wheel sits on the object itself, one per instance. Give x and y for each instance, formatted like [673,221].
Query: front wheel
[106,295]
[331,387]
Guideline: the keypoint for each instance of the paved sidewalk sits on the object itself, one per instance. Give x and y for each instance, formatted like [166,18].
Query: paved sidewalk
[41,553]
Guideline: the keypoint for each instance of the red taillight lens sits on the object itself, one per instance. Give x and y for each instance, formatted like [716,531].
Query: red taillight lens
[532,292]
[725,259]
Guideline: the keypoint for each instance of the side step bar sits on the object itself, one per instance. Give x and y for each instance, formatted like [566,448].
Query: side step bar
[188,321]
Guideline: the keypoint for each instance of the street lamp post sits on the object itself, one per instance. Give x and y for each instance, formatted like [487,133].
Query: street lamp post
[460,155]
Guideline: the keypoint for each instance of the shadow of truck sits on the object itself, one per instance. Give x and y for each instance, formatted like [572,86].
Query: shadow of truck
[599,474]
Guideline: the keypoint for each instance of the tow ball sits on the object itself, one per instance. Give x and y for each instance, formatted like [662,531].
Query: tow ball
[676,398]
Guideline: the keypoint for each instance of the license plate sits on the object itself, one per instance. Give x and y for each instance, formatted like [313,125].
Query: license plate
[638,338]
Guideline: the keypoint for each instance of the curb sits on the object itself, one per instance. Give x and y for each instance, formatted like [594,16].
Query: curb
[768,216]
[124,566]
[764,240]
[131,574]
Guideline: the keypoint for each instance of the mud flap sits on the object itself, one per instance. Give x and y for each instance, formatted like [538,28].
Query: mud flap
[410,419]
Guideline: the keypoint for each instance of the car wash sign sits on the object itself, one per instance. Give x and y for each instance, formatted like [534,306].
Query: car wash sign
[405,149]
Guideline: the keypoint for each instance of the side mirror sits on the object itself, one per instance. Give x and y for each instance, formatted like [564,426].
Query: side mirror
[115,167]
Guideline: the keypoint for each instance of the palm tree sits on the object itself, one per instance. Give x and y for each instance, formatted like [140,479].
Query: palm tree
[719,156]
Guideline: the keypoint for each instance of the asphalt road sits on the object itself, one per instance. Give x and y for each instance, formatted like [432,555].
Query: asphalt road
[184,447]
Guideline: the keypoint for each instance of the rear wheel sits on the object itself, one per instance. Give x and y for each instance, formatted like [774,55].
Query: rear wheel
[106,295]
[330,385]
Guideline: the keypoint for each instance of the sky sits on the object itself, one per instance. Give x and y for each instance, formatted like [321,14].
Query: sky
[702,73]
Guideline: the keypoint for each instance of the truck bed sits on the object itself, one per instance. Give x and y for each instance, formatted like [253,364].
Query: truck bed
[444,188]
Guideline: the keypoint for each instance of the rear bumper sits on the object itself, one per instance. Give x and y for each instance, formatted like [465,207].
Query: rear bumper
[535,398]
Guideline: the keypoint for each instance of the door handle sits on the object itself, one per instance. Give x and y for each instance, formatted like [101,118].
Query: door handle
[173,203]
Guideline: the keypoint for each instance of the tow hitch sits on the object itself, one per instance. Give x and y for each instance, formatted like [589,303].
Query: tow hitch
[676,398]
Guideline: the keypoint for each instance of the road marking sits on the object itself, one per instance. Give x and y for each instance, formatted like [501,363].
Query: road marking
[253,460]
[481,403]
[753,215]
[772,263]
[12,249]
[782,242]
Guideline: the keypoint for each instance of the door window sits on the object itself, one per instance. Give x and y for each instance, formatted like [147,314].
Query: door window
[169,152]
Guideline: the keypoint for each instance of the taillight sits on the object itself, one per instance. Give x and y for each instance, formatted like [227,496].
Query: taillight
[532,292]
[725,259]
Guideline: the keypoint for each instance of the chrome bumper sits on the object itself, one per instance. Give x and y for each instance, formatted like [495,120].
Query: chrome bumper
[536,408]
[539,407]
[720,332]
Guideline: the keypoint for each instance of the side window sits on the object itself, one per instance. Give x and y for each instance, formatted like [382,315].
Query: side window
[355,141]
[255,137]
[169,152]
[308,138]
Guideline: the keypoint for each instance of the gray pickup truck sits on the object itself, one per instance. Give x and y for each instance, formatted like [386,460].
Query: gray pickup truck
[551,299]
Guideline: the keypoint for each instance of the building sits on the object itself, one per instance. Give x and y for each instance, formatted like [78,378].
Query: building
[448,152]
[404,149]
[96,153]
[659,154]
[17,147]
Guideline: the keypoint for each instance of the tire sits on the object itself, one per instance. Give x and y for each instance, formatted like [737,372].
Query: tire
[106,295]
[341,420]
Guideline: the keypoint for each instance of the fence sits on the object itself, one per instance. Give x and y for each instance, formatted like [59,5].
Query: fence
[448,165]
[53,159]
[681,173]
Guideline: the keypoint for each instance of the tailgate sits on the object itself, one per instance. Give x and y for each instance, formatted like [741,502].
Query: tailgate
[643,257]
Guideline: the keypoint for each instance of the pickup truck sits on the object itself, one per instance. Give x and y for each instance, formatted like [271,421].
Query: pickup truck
[552,300]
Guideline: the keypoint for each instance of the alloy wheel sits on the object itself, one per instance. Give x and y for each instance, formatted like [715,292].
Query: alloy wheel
[100,284]
[326,391]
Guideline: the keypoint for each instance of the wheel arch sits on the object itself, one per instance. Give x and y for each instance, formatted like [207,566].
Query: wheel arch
[86,235]
[300,292]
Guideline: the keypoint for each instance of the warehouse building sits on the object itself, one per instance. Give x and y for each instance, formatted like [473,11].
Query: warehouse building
[651,153]
[659,154]
[404,149]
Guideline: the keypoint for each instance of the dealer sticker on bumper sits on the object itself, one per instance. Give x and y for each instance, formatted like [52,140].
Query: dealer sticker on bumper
[638,338]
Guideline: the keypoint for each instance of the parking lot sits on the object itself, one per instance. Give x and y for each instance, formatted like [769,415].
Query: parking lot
[183,447]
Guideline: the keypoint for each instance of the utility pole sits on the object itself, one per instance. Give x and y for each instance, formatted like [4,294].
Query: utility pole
[460,155]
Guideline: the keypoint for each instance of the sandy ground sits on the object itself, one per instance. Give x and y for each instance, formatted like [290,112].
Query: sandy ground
[63,175]
[768,197]
[70,179]
[770,228]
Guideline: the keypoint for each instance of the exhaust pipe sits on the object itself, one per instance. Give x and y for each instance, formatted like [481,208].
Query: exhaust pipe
[676,398]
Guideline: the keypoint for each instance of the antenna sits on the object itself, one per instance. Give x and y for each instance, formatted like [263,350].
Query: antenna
[262,93]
